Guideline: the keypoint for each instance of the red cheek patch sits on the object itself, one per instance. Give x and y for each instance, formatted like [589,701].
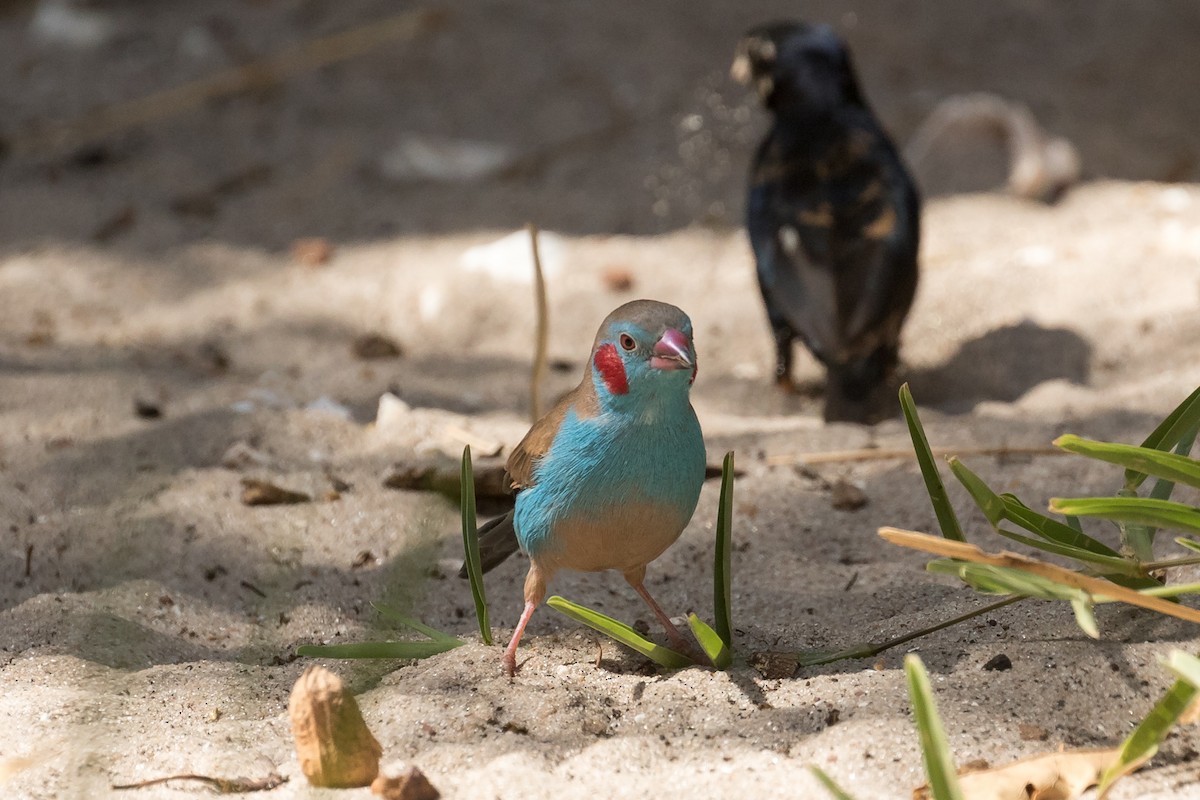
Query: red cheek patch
[612,370]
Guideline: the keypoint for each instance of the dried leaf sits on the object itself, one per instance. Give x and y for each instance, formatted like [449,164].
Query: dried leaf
[412,785]
[1053,776]
[332,741]
[372,346]
[312,251]
[262,493]
[847,497]
[1097,587]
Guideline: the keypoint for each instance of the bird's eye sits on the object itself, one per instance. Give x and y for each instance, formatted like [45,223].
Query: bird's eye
[627,341]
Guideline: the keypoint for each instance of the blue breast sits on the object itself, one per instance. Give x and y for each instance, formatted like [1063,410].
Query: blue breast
[599,463]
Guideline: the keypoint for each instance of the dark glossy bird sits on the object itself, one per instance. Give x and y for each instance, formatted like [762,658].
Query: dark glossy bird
[610,476]
[833,217]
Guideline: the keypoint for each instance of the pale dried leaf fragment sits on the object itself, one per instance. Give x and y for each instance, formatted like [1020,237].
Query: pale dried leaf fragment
[412,785]
[332,741]
[1053,776]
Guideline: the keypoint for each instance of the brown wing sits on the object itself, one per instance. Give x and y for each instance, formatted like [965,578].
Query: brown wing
[537,442]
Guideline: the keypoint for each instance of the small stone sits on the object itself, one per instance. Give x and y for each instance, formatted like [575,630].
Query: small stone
[372,346]
[312,251]
[262,493]
[335,747]
[998,663]
[847,496]
[1033,733]
[618,279]
[775,666]
[147,409]
[412,785]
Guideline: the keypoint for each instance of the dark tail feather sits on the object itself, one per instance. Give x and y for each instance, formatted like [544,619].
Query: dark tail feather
[497,541]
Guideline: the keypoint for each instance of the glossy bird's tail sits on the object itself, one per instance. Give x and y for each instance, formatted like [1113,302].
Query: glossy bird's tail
[861,390]
[497,541]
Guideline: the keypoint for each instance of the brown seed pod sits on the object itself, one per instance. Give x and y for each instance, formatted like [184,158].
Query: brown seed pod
[334,745]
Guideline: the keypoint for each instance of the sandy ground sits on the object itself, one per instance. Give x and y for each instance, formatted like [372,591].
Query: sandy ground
[148,618]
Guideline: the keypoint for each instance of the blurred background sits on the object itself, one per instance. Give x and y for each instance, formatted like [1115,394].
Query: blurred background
[615,117]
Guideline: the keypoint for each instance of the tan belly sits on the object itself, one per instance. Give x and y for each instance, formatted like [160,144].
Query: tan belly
[627,537]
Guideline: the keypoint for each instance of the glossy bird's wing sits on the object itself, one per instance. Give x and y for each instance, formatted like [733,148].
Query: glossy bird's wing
[525,456]
[498,537]
[837,255]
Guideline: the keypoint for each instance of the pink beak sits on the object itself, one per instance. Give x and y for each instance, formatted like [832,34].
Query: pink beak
[672,351]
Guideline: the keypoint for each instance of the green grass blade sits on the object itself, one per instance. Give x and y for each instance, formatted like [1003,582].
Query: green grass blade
[1085,618]
[1190,544]
[387,612]
[1113,563]
[939,765]
[1051,529]
[716,649]
[988,501]
[470,532]
[620,632]
[1172,590]
[1143,460]
[1139,539]
[838,792]
[1181,422]
[947,519]
[722,579]
[1186,666]
[1006,580]
[1137,510]
[379,649]
[1143,743]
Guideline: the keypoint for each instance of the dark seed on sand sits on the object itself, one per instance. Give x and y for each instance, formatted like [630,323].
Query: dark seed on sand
[998,663]
[372,346]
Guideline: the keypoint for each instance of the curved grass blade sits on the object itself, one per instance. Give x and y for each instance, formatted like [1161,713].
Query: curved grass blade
[939,765]
[379,649]
[1142,744]
[1007,580]
[838,792]
[1184,420]
[1140,538]
[470,532]
[1185,665]
[1143,460]
[387,612]
[712,644]
[1085,618]
[620,632]
[1137,510]
[1116,564]
[722,591]
[1190,544]
[1051,529]
[947,520]
[988,501]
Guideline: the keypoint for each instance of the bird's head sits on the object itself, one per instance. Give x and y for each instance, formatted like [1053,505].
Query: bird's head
[643,356]
[797,66]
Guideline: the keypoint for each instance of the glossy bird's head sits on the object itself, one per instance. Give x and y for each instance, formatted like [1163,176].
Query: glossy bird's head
[643,355]
[797,66]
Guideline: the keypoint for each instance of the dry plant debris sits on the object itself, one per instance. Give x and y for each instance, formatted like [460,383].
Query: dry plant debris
[1053,776]
[263,493]
[412,785]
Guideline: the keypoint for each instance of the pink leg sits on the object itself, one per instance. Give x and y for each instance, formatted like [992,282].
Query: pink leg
[635,579]
[535,591]
[510,653]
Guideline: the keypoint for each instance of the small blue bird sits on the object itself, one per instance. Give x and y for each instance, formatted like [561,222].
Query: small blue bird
[609,478]
[833,217]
